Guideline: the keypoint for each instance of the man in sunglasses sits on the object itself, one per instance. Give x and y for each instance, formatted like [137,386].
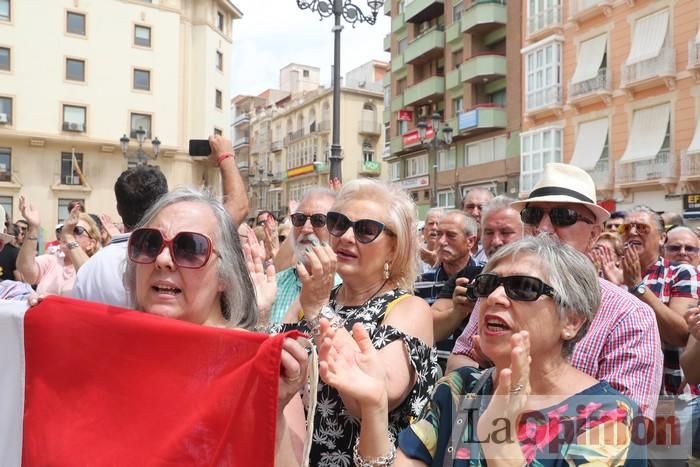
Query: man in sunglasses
[308,229]
[616,218]
[622,346]
[682,246]
[668,288]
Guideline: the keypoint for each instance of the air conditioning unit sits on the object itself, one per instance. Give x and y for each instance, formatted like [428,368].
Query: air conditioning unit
[423,111]
[76,126]
[4,118]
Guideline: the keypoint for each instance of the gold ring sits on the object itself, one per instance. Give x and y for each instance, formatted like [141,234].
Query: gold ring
[516,389]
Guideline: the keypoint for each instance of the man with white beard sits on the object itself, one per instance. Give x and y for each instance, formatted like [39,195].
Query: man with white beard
[308,229]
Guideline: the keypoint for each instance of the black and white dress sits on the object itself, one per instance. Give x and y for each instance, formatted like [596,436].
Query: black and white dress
[335,429]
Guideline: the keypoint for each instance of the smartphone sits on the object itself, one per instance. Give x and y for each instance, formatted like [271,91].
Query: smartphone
[200,147]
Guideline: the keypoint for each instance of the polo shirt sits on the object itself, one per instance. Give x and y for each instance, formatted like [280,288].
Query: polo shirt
[101,278]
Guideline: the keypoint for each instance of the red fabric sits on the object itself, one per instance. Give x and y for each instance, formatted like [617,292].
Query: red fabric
[113,387]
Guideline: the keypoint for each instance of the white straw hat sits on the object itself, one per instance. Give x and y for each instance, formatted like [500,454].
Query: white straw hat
[565,183]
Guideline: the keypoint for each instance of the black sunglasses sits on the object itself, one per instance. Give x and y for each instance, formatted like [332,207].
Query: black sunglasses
[521,288]
[190,250]
[77,231]
[365,230]
[559,217]
[317,220]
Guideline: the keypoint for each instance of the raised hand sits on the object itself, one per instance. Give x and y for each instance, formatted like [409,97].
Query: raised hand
[263,277]
[631,269]
[692,317]
[610,265]
[109,226]
[70,224]
[29,212]
[317,278]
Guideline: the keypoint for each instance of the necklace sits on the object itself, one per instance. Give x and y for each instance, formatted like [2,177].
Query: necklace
[366,301]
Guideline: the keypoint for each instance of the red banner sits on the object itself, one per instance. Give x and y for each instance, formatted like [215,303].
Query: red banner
[411,137]
[406,115]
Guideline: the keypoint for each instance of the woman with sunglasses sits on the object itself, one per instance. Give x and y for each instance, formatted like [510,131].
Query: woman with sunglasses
[539,297]
[374,250]
[186,263]
[55,273]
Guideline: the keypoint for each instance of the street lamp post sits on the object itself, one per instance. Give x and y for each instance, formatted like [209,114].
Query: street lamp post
[433,145]
[140,156]
[261,181]
[352,14]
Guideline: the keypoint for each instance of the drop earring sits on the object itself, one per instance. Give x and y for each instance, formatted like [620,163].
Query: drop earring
[386,270]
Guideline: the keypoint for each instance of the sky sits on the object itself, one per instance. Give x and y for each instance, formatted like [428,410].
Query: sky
[274,33]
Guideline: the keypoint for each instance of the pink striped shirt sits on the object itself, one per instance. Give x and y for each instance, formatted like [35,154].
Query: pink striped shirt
[622,347]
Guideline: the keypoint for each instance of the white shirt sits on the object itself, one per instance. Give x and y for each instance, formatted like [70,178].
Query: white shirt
[100,279]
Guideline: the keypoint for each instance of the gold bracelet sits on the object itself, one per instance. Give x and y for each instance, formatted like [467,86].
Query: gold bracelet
[31,238]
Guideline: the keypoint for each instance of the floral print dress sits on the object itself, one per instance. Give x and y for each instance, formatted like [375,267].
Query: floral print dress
[335,429]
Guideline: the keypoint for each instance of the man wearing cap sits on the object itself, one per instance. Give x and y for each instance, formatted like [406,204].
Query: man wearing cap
[622,346]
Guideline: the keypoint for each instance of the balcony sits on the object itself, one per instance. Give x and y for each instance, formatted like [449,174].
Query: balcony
[694,57]
[369,168]
[427,90]
[425,47]
[418,11]
[294,136]
[484,16]
[396,144]
[543,21]
[398,23]
[591,90]
[582,10]
[454,31]
[387,43]
[544,101]
[322,167]
[661,170]
[276,145]
[323,126]
[602,175]
[397,63]
[278,177]
[397,103]
[240,142]
[483,68]
[650,72]
[482,118]
[369,128]
[241,119]
[690,165]
[452,80]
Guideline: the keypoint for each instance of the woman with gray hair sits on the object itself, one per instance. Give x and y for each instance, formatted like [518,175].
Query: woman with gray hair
[538,409]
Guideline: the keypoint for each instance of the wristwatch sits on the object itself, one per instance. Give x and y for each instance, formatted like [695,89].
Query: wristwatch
[639,289]
[329,313]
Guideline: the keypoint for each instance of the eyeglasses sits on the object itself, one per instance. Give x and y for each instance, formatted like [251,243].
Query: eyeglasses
[642,229]
[472,206]
[188,250]
[521,288]
[365,230]
[559,217]
[77,231]
[691,250]
[317,220]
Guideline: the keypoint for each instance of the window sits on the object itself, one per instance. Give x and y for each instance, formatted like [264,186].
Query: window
[446,199]
[218,99]
[542,14]
[5,111]
[140,121]
[5,63]
[446,159]
[6,203]
[457,59]
[487,150]
[538,148]
[142,36]
[417,166]
[498,97]
[63,207]
[74,118]
[75,69]
[305,73]
[5,10]
[367,152]
[75,23]
[402,126]
[5,165]
[543,72]
[395,171]
[457,105]
[219,61]
[69,173]
[142,80]
[402,44]
[457,11]
[220,21]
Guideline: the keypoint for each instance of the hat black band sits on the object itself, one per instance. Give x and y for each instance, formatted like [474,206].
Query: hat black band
[557,191]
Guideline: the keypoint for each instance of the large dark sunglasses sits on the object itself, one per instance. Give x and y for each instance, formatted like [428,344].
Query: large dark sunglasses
[365,230]
[559,217]
[77,231]
[317,220]
[188,250]
[521,288]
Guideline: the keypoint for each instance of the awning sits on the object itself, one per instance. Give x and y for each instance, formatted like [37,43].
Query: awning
[590,142]
[695,143]
[649,36]
[648,132]
[590,57]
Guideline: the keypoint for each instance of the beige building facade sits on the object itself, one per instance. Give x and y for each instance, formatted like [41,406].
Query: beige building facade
[81,74]
[614,87]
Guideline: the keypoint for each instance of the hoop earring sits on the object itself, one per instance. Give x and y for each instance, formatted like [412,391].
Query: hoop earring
[386,270]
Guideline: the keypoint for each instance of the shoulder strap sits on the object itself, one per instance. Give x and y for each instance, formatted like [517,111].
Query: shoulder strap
[391,305]
[467,404]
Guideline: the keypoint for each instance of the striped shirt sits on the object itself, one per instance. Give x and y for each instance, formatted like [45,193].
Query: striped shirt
[622,347]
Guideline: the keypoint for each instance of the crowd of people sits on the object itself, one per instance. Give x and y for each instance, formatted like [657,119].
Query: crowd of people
[547,319]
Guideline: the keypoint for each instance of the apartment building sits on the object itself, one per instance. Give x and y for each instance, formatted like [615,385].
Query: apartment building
[82,73]
[290,137]
[461,60]
[613,86]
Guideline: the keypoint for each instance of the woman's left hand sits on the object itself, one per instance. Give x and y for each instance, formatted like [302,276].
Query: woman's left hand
[263,277]
[317,279]
[70,224]
[294,366]
[511,394]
